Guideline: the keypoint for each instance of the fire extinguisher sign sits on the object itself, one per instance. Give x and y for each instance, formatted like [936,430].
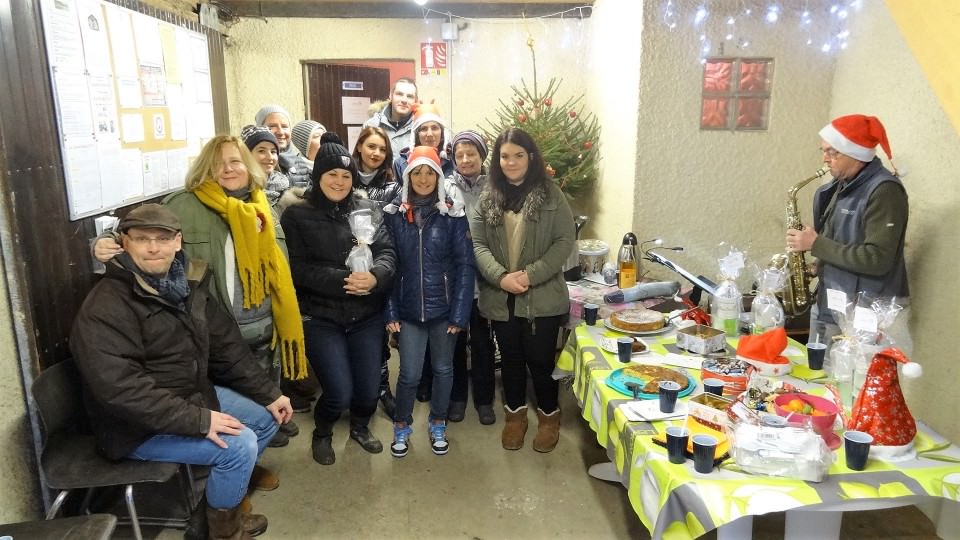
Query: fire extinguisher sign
[433,58]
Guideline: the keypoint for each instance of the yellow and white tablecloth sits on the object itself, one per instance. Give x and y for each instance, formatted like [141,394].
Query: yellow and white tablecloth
[675,502]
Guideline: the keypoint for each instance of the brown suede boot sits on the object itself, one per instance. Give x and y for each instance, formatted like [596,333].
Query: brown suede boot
[263,479]
[514,428]
[225,524]
[254,524]
[548,431]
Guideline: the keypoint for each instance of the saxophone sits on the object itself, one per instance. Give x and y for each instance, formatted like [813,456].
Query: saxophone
[796,296]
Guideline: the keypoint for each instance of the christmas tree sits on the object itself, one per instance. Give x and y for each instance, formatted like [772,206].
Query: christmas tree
[567,136]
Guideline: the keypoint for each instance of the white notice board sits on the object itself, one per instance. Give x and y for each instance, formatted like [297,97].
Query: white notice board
[133,100]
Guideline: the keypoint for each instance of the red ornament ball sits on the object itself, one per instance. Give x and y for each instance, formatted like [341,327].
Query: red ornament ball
[573,114]
[521,118]
[587,145]
[520,102]
[547,101]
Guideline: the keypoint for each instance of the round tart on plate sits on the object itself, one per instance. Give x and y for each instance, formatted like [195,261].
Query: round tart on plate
[637,320]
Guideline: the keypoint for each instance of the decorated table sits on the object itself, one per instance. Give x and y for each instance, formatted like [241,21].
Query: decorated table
[675,502]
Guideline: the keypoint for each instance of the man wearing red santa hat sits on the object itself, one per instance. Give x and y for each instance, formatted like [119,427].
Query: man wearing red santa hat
[860,221]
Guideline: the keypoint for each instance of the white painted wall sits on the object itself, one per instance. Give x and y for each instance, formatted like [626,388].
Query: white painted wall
[613,93]
[878,75]
[698,188]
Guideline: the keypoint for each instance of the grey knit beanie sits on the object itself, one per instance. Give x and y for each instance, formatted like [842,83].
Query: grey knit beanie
[266,111]
[301,134]
[474,138]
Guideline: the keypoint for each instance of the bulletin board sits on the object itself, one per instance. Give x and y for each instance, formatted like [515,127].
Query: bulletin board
[133,98]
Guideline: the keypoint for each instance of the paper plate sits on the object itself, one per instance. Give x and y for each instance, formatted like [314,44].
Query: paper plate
[609,344]
[617,380]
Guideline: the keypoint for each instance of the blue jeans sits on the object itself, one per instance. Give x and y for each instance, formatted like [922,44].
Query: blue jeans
[346,360]
[232,465]
[413,344]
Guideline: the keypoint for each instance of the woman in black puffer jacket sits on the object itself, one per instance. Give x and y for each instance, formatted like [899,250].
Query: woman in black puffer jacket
[342,310]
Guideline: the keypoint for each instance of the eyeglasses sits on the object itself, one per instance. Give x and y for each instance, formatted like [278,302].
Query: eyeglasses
[146,240]
[831,153]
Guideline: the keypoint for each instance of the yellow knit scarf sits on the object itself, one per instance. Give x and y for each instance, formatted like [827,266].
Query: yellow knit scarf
[263,269]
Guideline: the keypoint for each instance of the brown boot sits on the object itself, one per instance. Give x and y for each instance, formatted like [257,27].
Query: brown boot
[548,431]
[254,524]
[514,428]
[225,524]
[246,506]
[263,479]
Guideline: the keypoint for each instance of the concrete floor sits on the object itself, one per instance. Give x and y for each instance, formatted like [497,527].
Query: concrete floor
[478,490]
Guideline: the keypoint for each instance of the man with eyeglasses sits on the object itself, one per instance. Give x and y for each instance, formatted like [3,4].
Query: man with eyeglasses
[168,374]
[860,222]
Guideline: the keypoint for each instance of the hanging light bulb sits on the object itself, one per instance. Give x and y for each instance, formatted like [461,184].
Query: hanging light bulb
[842,14]
[773,13]
[825,48]
[700,15]
[730,20]
[843,35]
[420,2]
[729,37]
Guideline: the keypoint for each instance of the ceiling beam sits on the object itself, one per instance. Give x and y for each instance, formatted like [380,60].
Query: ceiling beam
[397,10]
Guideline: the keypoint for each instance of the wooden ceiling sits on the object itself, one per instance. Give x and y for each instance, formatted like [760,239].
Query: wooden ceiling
[397,9]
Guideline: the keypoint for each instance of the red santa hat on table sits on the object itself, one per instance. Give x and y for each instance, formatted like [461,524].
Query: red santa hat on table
[881,410]
[765,352]
[857,136]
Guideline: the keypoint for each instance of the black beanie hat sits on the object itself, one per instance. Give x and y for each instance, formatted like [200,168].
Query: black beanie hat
[332,155]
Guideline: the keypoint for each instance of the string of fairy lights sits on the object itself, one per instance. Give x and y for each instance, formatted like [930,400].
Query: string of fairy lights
[725,25]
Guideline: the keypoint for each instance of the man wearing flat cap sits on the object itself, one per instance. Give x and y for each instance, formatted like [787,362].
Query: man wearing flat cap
[168,376]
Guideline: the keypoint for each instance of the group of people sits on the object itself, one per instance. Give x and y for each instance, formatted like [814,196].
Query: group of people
[271,259]
[285,250]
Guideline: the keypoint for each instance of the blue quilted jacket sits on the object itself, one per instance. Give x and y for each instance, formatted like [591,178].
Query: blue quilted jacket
[435,269]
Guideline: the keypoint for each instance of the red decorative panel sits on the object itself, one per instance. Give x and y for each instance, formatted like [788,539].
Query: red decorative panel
[753,76]
[752,113]
[713,115]
[717,76]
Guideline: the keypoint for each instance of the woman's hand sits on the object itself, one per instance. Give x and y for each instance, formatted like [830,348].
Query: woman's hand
[393,326]
[359,283]
[515,282]
[452,329]
[106,248]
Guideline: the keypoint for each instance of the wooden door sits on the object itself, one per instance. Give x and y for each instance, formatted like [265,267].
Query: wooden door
[327,85]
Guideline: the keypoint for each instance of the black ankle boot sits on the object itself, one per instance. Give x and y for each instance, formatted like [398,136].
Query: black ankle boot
[367,441]
[323,450]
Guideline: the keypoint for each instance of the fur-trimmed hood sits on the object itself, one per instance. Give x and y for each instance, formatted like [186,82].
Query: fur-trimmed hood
[491,203]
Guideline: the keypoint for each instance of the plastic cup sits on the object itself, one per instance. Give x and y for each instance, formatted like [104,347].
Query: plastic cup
[624,349]
[590,313]
[704,447]
[856,445]
[713,386]
[815,354]
[668,396]
[677,437]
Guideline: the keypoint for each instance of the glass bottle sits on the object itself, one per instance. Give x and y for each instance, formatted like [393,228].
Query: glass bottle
[627,262]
